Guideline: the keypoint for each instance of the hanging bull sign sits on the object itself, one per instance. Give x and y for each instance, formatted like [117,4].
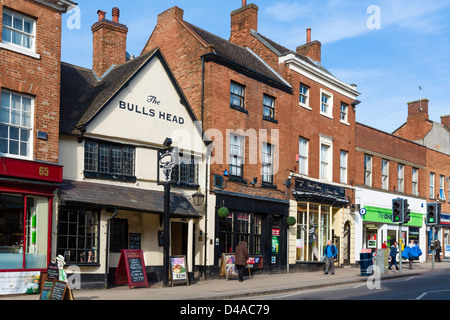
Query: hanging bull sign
[168,162]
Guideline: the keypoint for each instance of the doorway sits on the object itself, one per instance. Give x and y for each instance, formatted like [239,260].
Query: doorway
[179,241]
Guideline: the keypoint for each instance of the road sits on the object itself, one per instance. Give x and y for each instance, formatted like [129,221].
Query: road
[429,286]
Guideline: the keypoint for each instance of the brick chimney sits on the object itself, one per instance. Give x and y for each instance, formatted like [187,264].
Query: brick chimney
[418,108]
[243,20]
[311,49]
[445,120]
[110,42]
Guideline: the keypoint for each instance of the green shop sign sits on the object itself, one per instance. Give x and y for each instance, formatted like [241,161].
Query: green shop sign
[383,215]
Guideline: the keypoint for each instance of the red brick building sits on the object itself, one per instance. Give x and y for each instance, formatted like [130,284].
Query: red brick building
[295,152]
[30,62]
[435,137]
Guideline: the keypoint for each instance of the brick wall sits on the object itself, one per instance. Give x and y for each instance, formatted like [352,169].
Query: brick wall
[39,78]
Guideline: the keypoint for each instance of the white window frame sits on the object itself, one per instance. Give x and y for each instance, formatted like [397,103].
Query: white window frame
[20,126]
[415,181]
[384,174]
[343,116]
[368,170]
[343,166]
[432,177]
[329,105]
[267,162]
[305,96]
[237,159]
[326,160]
[303,150]
[10,45]
[400,178]
[442,187]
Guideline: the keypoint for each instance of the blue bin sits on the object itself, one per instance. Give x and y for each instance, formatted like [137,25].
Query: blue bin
[365,262]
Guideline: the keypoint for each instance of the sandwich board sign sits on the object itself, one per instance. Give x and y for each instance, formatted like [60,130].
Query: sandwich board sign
[131,269]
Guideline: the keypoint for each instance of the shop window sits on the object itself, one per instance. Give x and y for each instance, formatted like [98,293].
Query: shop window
[16,124]
[313,231]
[109,161]
[23,232]
[78,235]
[239,226]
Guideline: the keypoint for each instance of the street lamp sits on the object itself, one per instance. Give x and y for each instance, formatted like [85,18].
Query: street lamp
[198,198]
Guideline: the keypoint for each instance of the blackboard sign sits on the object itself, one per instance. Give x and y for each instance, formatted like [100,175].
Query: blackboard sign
[52,271]
[56,290]
[46,291]
[131,269]
[135,241]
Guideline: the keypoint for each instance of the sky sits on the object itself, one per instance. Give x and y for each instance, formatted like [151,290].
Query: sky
[395,51]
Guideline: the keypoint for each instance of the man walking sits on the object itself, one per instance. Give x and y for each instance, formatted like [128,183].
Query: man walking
[241,259]
[393,255]
[330,254]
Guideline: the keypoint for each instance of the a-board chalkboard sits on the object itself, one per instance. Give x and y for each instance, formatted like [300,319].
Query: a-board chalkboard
[56,290]
[52,271]
[131,269]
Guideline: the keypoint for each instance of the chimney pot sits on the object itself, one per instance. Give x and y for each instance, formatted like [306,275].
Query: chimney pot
[101,15]
[244,3]
[115,14]
[308,35]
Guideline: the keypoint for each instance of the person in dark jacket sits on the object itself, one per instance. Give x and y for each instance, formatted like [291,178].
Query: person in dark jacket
[437,246]
[393,255]
[241,256]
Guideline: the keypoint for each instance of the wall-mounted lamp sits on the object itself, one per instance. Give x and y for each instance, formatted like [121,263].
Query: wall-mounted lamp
[198,198]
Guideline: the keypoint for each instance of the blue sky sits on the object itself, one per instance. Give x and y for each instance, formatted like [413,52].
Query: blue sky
[389,48]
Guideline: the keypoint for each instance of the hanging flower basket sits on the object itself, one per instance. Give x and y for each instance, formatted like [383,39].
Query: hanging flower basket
[291,221]
[223,212]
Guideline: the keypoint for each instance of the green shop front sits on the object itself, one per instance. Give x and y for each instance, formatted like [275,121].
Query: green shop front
[376,227]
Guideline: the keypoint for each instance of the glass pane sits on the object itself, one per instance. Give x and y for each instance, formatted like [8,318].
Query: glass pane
[23,149]
[3,145]
[6,97]
[16,38]
[24,135]
[11,231]
[18,24]
[37,233]
[4,114]
[15,117]
[14,133]
[28,26]
[6,35]
[7,19]
[26,119]
[14,147]
[27,41]
[26,104]
[15,101]
[3,131]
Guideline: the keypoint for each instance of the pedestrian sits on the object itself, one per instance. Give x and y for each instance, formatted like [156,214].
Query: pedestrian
[241,259]
[384,245]
[411,258]
[330,253]
[393,255]
[437,247]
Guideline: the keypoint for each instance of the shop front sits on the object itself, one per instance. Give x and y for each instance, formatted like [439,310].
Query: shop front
[260,221]
[320,209]
[26,208]
[375,226]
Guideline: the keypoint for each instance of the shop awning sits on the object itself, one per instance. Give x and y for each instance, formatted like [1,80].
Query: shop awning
[319,198]
[124,198]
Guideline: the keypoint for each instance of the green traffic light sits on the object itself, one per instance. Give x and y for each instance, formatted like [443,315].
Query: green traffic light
[431,220]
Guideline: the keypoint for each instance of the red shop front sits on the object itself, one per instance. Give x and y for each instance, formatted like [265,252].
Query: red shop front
[27,189]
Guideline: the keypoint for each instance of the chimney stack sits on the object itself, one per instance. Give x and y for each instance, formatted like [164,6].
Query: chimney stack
[418,108]
[243,20]
[311,49]
[445,120]
[109,43]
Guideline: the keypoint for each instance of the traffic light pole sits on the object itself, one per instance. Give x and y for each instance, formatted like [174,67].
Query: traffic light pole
[400,247]
[434,250]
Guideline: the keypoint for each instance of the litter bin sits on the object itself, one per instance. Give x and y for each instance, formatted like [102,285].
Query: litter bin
[365,261]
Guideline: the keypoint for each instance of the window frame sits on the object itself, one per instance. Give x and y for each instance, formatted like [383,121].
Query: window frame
[304,95]
[368,170]
[10,45]
[20,127]
[345,113]
[442,187]
[270,108]
[240,157]
[326,175]
[415,182]
[401,178]
[98,171]
[432,183]
[329,104]
[186,175]
[303,157]
[343,167]
[384,174]
[267,166]
[240,96]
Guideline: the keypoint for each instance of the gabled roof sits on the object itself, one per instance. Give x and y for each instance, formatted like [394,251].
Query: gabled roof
[83,96]
[241,57]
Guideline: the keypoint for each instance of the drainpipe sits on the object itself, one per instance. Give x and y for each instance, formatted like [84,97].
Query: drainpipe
[107,247]
[206,166]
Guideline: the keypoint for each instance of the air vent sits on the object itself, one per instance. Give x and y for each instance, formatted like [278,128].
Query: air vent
[218,181]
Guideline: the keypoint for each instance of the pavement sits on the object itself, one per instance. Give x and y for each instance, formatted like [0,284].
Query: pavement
[259,284]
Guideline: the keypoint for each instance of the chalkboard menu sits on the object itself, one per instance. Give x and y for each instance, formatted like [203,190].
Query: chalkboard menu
[131,269]
[56,290]
[52,271]
[135,241]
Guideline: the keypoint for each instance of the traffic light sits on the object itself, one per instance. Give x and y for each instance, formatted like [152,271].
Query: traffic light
[406,211]
[397,210]
[433,213]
